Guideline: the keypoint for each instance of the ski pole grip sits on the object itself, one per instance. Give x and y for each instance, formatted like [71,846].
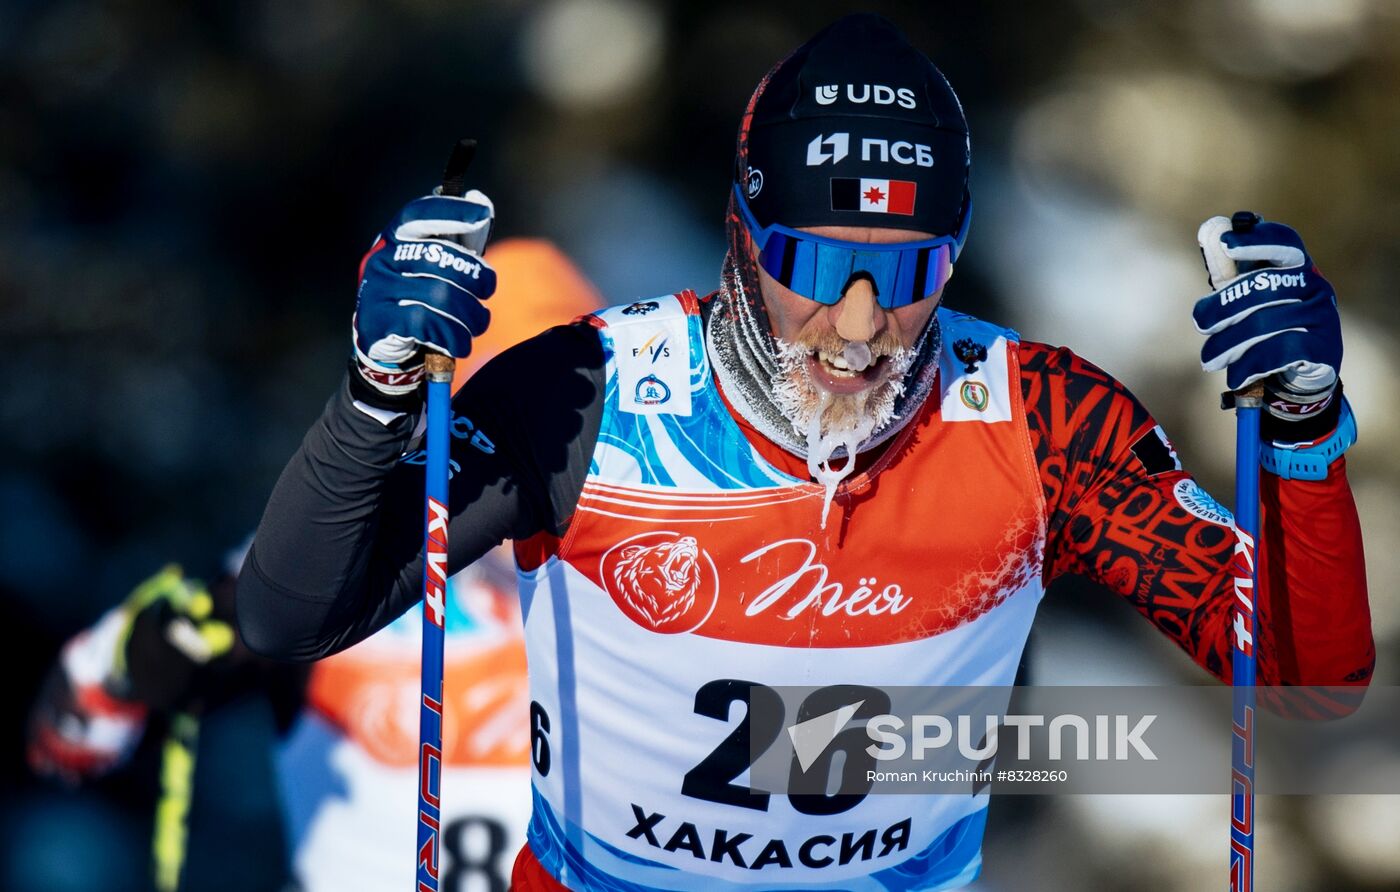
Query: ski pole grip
[454,176]
[439,366]
[1250,397]
[1244,221]
[454,184]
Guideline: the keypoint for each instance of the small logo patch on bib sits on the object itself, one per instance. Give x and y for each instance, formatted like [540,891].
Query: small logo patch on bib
[651,391]
[653,362]
[974,395]
[1190,496]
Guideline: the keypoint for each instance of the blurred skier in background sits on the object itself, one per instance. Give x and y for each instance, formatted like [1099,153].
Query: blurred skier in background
[347,765]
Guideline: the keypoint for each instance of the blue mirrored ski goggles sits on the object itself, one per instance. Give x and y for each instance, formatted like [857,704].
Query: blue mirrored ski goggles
[821,268]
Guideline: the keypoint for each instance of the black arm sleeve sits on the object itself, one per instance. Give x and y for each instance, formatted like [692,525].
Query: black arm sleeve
[339,552]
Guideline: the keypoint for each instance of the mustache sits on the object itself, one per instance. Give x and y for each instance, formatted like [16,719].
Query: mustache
[827,340]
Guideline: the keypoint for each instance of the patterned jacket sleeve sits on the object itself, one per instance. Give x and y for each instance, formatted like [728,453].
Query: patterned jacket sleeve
[1123,513]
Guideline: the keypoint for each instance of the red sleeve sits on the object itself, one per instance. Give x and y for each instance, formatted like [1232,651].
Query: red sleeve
[1124,514]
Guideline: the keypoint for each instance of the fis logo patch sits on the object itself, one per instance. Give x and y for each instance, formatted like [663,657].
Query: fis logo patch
[652,360]
[650,347]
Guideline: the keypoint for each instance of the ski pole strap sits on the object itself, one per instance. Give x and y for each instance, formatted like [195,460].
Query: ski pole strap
[1311,461]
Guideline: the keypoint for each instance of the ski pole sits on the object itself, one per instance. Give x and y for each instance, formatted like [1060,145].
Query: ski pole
[439,371]
[171,836]
[1247,402]
[1244,658]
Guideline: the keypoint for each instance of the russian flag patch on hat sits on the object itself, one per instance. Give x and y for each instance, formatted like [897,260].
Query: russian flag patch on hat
[873,196]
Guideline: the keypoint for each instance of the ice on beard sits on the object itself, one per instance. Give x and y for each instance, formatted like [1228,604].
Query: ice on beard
[857,356]
[832,431]
[822,446]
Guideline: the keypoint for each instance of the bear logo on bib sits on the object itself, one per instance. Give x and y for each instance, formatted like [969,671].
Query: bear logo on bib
[661,580]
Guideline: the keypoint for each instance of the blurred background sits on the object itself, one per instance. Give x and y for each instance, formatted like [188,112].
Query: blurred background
[186,189]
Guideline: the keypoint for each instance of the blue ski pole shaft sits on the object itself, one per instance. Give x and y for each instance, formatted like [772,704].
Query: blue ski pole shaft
[1244,637]
[439,371]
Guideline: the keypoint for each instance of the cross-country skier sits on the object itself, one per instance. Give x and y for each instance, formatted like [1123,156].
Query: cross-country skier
[349,759]
[814,475]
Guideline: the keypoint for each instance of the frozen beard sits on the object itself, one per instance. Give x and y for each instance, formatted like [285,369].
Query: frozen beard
[770,385]
[836,425]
